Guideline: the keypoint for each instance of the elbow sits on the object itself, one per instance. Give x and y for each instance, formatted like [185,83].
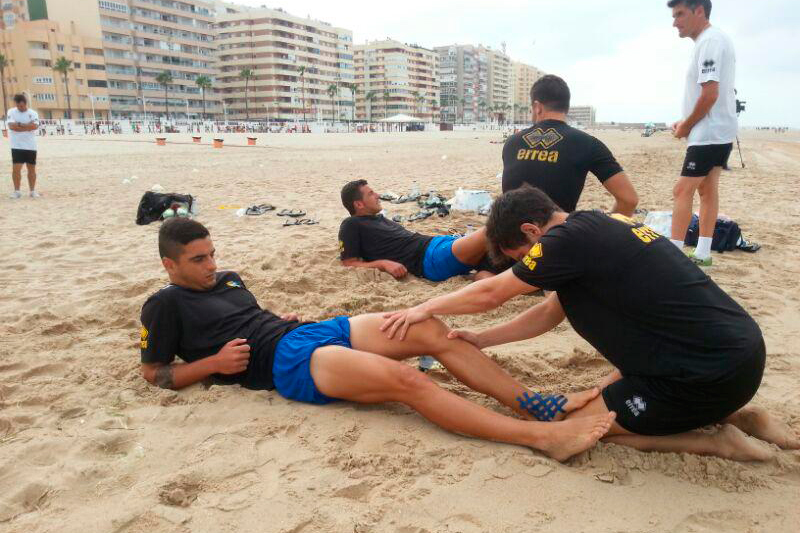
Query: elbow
[491,300]
[631,201]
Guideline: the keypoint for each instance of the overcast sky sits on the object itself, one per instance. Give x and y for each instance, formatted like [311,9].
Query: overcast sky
[623,56]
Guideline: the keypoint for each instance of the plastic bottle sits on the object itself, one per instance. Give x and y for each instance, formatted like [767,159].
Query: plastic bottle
[426,362]
[470,229]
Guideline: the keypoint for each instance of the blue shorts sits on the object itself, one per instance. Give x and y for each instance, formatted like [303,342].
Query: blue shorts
[291,370]
[439,262]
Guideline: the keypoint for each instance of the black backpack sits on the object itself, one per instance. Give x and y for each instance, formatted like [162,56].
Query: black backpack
[727,234]
[153,204]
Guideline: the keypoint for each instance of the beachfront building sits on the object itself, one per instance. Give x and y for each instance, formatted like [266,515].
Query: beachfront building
[33,48]
[13,12]
[396,78]
[523,78]
[475,83]
[142,39]
[301,69]
[581,115]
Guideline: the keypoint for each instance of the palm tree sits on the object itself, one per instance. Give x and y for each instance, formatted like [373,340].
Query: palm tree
[463,102]
[246,73]
[3,65]
[63,66]
[386,96]
[370,97]
[353,91]
[204,82]
[415,99]
[302,71]
[333,92]
[165,78]
[483,106]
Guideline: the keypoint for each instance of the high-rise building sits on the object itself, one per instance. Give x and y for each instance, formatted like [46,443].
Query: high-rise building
[524,76]
[581,115]
[142,39]
[301,68]
[32,49]
[13,12]
[396,78]
[475,83]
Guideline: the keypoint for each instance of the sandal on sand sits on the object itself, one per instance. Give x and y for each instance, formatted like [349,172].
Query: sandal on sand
[259,209]
[291,213]
[300,222]
[421,215]
[542,407]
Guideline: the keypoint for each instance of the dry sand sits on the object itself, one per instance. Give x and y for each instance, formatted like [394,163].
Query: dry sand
[87,445]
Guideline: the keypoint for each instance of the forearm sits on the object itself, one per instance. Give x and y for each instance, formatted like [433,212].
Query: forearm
[535,321]
[701,109]
[178,376]
[474,298]
[363,264]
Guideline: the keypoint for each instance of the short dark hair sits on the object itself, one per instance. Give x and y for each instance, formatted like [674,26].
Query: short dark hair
[20,99]
[693,4]
[510,211]
[552,92]
[176,233]
[352,193]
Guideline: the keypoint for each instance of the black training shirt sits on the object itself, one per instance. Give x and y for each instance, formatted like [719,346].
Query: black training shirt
[556,157]
[196,324]
[639,300]
[375,237]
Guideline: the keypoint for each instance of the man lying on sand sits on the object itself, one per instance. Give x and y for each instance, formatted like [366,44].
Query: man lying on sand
[211,321]
[687,354]
[370,240]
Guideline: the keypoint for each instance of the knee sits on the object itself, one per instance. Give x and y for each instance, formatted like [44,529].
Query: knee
[432,330]
[411,382]
[683,190]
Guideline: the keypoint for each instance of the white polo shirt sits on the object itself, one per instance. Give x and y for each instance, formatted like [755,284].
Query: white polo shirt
[713,59]
[22,140]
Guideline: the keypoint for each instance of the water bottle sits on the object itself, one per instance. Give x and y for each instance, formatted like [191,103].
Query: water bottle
[470,229]
[426,362]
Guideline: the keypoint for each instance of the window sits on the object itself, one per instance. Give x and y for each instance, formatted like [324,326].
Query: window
[113,6]
[43,80]
[93,52]
[76,49]
[40,63]
[45,97]
[93,66]
[60,47]
[97,83]
[76,65]
[38,45]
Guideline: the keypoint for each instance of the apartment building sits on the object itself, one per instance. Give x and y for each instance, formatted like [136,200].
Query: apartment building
[523,77]
[475,83]
[396,78]
[32,49]
[142,39]
[13,12]
[302,69]
[581,115]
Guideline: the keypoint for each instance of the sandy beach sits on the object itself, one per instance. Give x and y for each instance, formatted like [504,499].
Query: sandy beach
[86,445]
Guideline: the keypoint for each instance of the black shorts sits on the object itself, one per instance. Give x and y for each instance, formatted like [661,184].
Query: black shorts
[663,406]
[701,159]
[19,157]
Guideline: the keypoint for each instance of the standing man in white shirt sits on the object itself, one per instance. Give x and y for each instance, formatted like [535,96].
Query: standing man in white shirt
[709,122]
[22,124]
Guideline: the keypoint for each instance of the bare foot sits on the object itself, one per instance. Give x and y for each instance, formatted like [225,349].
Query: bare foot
[570,437]
[575,401]
[732,443]
[615,375]
[757,421]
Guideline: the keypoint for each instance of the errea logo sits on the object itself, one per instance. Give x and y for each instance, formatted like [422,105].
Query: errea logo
[637,405]
[234,284]
[691,165]
[708,66]
[530,258]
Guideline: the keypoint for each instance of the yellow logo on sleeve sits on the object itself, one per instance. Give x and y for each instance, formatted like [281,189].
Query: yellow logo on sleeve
[533,254]
[341,246]
[143,334]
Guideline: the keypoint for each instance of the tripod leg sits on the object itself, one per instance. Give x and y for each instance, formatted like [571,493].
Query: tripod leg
[739,147]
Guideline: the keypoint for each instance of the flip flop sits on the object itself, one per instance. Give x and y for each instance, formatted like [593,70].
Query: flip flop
[259,209]
[421,215]
[291,213]
[300,222]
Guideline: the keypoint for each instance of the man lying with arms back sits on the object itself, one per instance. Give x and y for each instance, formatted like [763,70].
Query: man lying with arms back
[211,321]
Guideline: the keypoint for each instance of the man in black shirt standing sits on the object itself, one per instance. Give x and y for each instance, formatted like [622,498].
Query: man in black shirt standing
[211,321]
[556,157]
[687,355]
[368,239]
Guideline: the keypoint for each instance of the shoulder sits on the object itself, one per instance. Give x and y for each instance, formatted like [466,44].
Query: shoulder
[34,114]
[163,295]
[350,223]
[516,138]
[229,277]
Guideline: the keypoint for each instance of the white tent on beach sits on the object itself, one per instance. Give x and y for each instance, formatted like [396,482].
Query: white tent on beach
[401,118]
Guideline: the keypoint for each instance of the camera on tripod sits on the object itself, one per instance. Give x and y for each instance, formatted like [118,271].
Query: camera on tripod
[740,105]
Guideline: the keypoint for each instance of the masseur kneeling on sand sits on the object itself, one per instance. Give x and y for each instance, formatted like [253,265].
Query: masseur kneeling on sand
[211,321]
[687,354]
